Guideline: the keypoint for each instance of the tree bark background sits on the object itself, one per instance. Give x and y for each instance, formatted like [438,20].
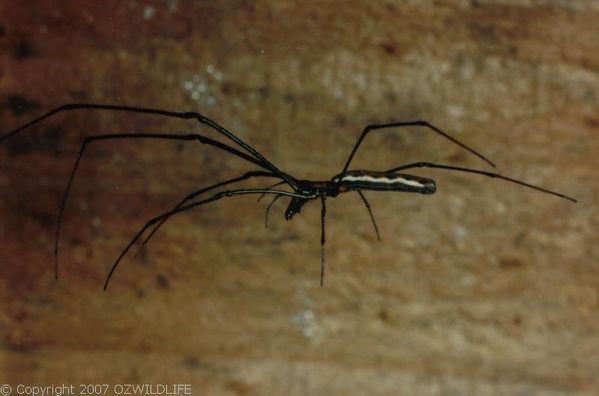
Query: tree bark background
[484,288]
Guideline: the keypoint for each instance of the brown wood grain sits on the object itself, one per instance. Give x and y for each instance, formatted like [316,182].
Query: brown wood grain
[485,288]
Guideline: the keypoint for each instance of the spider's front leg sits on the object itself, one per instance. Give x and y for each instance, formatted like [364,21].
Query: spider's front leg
[170,213]
[195,194]
[253,153]
[159,136]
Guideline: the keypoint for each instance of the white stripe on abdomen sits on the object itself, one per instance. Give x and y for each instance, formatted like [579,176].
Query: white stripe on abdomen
[384,180]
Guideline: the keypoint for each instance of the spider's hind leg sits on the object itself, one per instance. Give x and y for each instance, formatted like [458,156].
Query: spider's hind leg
[420,123]
[323,215]
[367,204]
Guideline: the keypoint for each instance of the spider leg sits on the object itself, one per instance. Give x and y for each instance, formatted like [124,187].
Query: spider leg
[215,197]
[194,194]
[268,209]
[91,139]
[480,172]
[376,228]
[164,113]
[426,124]
[323,215]
[271,186]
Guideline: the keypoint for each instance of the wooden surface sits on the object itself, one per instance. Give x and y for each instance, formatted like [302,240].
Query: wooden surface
[485,288]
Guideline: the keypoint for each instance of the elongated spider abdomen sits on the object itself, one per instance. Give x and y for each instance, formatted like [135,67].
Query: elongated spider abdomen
[384,181]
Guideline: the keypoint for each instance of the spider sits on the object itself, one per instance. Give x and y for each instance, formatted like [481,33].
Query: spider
[302,190]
